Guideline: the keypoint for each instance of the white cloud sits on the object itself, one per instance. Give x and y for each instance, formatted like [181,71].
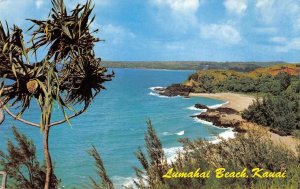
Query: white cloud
[276,12]
[279,39]
[73,3]
[264,3]
[293,44]
[179,6]
[176,15]
[114,34]
[224,33]
[39,3]
[236,6]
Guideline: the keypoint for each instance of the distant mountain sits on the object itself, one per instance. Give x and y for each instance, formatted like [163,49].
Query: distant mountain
[190,65]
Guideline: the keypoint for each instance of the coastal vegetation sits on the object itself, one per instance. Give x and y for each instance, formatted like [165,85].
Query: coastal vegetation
[21,164]
[105,183]
[251,161]
[262,80]
[244,152]
[281,113]
[277,89]
[68,74]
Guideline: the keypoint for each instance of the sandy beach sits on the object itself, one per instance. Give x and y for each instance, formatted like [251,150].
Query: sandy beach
[240,102]
[235,101]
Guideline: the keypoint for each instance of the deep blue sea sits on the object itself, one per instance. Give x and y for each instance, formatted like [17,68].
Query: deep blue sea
[115,123]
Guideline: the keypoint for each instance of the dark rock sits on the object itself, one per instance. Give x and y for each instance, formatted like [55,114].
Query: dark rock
[217,120]
[201,106]
[177,90]
[224,110]
[159,89]
[239,130]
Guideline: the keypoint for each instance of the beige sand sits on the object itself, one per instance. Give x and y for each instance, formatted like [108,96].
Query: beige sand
[240,102]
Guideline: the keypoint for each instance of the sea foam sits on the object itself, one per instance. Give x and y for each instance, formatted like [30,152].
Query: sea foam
[203,122]
[120,182]
[218,105]
[229,134]
[153,88]
[193,108]
[168,134]
[180,133]
[157,95]
[171,153]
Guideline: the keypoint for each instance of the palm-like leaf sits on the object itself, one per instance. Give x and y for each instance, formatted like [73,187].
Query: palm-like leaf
[83,78]
[70,45]
[67,35]
[12,67]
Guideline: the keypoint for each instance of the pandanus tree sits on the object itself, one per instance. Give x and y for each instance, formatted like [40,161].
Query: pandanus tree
[67,75]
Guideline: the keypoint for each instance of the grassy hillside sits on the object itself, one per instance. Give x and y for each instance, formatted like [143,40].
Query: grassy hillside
[292,69]
[272,79]
[279,86]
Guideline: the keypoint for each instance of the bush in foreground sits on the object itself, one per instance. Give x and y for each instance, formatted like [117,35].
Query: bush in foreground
[21,164]
[246,151]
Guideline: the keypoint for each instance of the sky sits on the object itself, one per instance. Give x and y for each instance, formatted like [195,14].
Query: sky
[183,30]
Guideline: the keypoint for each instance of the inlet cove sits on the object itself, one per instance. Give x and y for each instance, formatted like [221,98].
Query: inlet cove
[223,173]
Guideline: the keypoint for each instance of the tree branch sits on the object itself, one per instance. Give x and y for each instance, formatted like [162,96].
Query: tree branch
[6,90]
[69,117]
[20,119]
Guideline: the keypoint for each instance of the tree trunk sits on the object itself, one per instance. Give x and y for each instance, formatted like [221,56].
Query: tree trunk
[47,154]
[4,177]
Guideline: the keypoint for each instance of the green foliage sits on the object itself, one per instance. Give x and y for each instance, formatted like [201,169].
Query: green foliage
[227,80]
[22,166]
[282,113]
[105,181]
[154,165]
[280,109]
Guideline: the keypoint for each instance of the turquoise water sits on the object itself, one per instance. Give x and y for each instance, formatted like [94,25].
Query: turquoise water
[116,123]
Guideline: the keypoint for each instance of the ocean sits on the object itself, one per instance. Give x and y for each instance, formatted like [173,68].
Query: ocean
[115,124]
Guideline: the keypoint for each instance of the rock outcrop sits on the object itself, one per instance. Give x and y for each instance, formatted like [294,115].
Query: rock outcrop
[221,117]
[175,90]
[201,106]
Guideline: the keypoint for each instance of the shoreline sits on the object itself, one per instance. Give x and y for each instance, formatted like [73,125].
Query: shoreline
[235,101]
[240,102]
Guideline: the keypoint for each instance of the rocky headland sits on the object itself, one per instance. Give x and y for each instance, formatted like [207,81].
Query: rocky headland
[175,90]
[228,115]
[222,117]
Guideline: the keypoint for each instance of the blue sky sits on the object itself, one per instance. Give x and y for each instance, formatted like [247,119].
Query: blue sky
[213,30]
